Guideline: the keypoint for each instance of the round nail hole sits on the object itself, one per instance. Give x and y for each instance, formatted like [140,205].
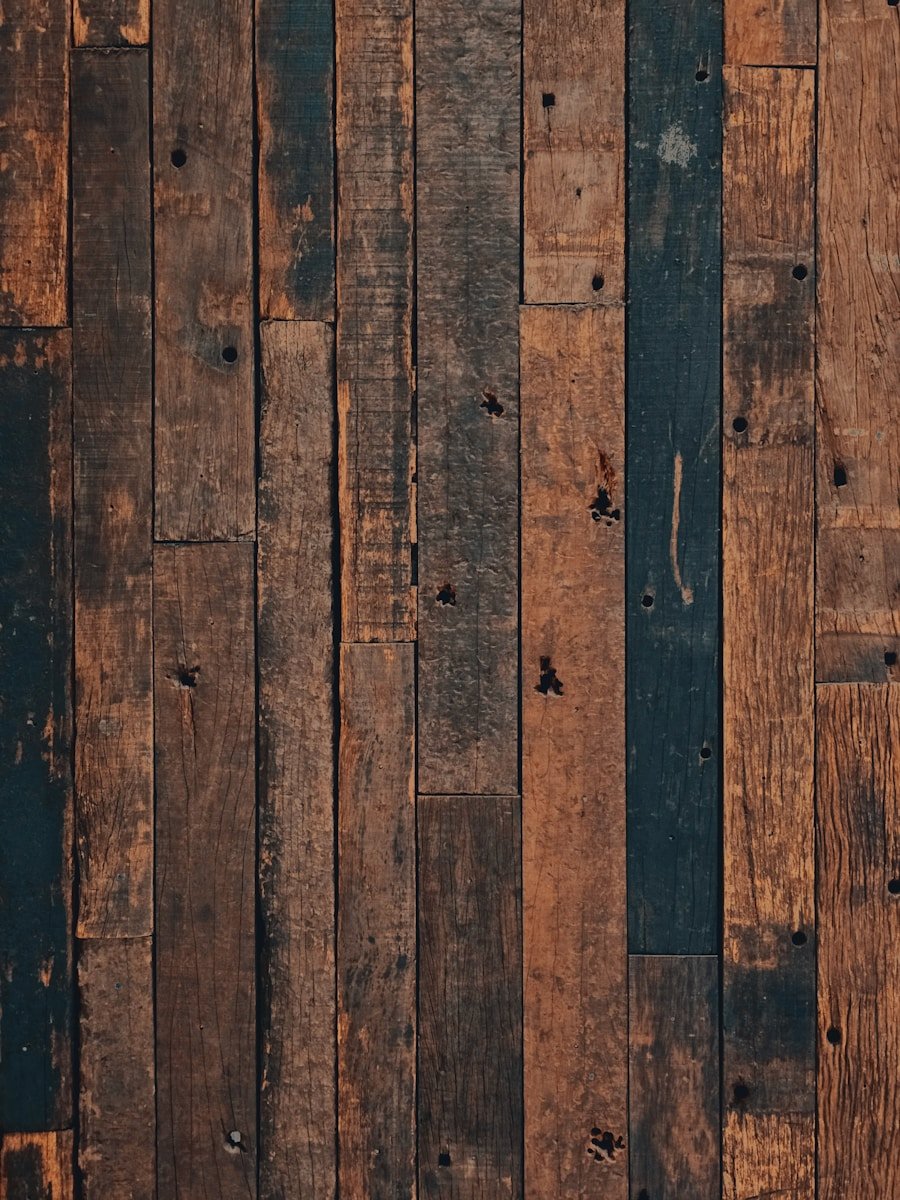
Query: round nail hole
[229,354]
[739,424]
[597,283]
[800,271]
[894,887]
[178,157]
[799,938]
[705,753]
[702,75]
[647,600]
[741,1092]
[890,658]
[834,1036]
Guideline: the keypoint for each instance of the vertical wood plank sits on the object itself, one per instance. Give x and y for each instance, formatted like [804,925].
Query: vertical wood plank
[573,717]
[470,998]
[374,319]
[295,95]
[574,141]
[117,1127]
[36,1166]
[467,179]
[35,730]
[776,33]
[34,156]
[674,1077]
[377,924]
[111,22]
[296,680]
[113,491]
[674,281]
[858,885]
[768,720]
[205,892]
[858,435]
[203,196]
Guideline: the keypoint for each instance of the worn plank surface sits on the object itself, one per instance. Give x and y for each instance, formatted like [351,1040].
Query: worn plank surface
[111,22]
[377,964]
[205,893]
[467,181]
[37,1166]
[296,720]
[470,998]
[773,33]
[573,750]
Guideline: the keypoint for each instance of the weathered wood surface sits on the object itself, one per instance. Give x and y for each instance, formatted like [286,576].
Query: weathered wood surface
[771,32]
[111,22]
[377,966]
[467,189]
[35,730]
[672,537]
[573,751]
[205,872]
[470,998]
[37,1166]
[113,404]
[374,131]
[203,197]
[296,778]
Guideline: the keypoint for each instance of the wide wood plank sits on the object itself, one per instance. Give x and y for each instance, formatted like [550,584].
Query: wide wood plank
[573,718]
[768,719]
[35,730]
[296,685]
[111,22]
[205,878]
[467,189]
[470,998]
[858,886]
[375,306]
[674,280]
[858,460]
[203,195]
[574,141]
[377,924]
[772,33]
[36,1166]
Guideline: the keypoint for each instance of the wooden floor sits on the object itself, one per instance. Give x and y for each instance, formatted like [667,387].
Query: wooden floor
[450,610]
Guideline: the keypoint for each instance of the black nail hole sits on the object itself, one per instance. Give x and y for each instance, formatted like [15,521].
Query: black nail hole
[834,1036]
[229,354]
[799,938]
[595,1132]
[578,193]
[601,508]
[800,271]
[643,1194]
[739,424]
[178,157]
[705,752]
[647,600]
[491,403]
[893,3]
[894,887]
[597,283]
[444,1159]
[548,99]
[840,475]
[187,676]
[890,658]
[702,75]
[548,684]
[741,1092]
[447,594]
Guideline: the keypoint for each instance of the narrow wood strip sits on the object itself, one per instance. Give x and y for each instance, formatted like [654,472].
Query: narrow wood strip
[574,110]
[203,196]
[111,22]
[35,730]
[375,306]
[470,998]
[776,33]
[377,924]
[467,180]
[674,282]
[36,1166]
[573,717]
[205,881]
[296,723]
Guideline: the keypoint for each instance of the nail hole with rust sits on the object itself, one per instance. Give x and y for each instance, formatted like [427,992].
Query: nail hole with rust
[548,684]
[491,403]
[834,1036]
[447,595]
[178,158]
[548,99]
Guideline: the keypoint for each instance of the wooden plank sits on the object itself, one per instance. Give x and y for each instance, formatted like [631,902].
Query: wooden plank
[203,196]
[674,1077]
[573,543]
[768,719]
[34,156]
[111,22]
[467,188]
[205,881]
[377,924]
[36,1166]
[858,462]
[294,102]
[470,998]
[117,1126]
[858,889]
[574,141]
[672,538]
[113,524]
[773,33]
[375,307]
[35,730]
[296,658]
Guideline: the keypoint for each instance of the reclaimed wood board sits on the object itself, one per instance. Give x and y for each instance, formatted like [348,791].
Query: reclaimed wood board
[778,33]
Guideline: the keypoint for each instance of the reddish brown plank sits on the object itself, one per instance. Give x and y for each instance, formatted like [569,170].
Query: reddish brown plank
[771,32]
[111,22]
[36,1166]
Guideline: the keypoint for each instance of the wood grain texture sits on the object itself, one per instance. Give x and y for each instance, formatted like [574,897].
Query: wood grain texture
[34,154]
[36,1166]
[205,881]
[113,403]
[858,888]
[111,22]
[117,1123]
[573,729]
[858,460]
[374,116]
[672,537]
[296,718]
[470,998]
[768,716]
[574,141]
[771,32]
[294,100]
[674,1077]
[35,730]
[467,188]
[377,964]
[203,120]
